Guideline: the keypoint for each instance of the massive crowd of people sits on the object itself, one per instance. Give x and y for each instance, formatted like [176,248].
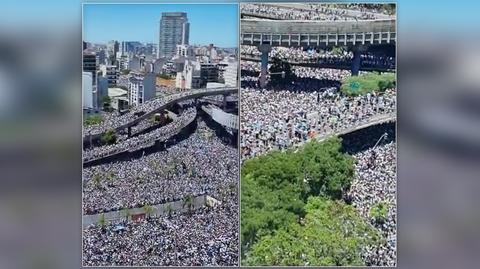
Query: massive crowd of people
[310,12]
[340,57]
[204,237]
[200,164]
[278,119]
[142,140]
[375,182]
[195,166]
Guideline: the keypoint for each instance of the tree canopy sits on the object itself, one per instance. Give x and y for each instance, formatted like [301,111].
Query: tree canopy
[332,234]
[275,188]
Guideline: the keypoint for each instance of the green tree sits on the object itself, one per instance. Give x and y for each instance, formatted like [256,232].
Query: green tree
[276,186]
[97,180]
[126,213]
[109,137]
[92,119]
[148,209]
[169,210]
[125,72]
[379,212]
[102,222]
[188,202]
[333,235]
[106,101]
[326,170]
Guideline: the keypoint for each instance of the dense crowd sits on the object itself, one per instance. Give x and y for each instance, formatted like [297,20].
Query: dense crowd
[312,12]
[253,68]
[375,182]
[143,140]
[205,237]
[312,55]
[278,119]
[198,165]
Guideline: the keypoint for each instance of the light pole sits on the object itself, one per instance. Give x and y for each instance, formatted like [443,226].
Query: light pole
[385,135]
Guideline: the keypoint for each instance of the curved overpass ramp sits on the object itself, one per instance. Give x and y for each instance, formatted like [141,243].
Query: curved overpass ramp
[293,33]
[226,119]
[163,104]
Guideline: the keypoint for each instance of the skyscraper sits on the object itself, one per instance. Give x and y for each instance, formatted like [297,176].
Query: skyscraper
[174,30]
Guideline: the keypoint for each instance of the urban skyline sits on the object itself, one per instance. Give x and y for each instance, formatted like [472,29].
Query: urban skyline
[124,22]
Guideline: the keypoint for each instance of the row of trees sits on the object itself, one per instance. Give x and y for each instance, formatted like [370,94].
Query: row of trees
[188,203]
[292,209]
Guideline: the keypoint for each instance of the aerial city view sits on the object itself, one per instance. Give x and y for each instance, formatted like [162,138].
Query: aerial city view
[160,135]
[318,134]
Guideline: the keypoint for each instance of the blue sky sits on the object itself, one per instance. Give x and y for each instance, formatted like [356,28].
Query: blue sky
[442,15]
[209,23]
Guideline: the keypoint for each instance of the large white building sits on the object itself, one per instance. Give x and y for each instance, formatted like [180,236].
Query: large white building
[141,88]
[184,51]
[230,75]
[87,90]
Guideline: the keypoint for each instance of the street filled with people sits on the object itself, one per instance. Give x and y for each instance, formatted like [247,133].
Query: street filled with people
[374,183]
[308,12]
[200,164]
[339,57]
[278,119]
[125,143]
[204,237]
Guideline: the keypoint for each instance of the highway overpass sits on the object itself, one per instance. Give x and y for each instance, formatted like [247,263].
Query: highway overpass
[356,35]
[375,120]
[225,119]
[130,119]
[294,33]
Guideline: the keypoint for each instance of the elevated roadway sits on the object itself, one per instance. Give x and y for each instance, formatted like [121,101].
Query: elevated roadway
[129,119]
[225,119]
[294,33]
[356,35]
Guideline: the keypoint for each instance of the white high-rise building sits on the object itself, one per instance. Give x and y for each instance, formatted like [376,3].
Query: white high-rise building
[141,88]
[87,90]
[230,74]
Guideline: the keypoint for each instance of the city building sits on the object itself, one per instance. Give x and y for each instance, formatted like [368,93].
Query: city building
[87,91]
[141,88]
[174,30]
[134,64]
[112,50]
[119,98]
[90,64]
[111,72]
[184,51]
[101,90]
[192,74]
[230,73]
[158,65]
[130,47]
[208,72]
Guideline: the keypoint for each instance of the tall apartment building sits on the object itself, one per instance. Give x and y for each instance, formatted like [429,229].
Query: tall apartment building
[87,90]
[141,88]
[174,30]
[90,64]
[230,75]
